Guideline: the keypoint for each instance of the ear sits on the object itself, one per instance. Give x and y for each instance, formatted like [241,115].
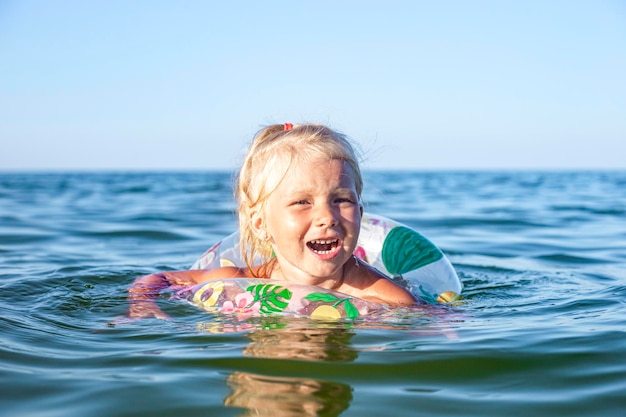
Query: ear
[258,223]
[361,209]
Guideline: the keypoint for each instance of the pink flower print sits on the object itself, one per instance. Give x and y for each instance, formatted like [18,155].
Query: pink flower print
[244,303]
[359,252]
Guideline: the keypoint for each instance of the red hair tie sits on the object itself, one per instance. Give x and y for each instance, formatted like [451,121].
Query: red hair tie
[287,126]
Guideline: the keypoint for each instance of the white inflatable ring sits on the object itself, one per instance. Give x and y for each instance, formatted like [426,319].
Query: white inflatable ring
[394,249]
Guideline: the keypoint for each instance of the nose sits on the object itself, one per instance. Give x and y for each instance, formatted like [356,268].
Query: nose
[325,216]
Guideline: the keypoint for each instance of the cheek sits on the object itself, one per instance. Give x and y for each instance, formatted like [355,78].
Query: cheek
[352,214]
[355,222]
[291,225]
[288,227]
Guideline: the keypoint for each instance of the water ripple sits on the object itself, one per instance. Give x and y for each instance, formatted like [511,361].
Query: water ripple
[540,329]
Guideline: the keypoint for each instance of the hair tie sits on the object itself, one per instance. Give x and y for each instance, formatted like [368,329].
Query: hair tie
[287,126]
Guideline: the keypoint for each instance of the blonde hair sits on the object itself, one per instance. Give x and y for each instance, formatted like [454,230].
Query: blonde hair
[272,153]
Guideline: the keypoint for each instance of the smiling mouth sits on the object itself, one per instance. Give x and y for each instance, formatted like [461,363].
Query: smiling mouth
[323,247]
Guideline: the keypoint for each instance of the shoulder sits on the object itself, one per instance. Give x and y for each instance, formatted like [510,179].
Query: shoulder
[197,276]
[368,283]
[225,273]
[388,292]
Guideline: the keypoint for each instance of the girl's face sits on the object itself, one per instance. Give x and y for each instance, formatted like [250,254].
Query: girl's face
[313,220]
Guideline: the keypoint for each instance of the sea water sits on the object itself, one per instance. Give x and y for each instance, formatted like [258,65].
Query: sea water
[541,330]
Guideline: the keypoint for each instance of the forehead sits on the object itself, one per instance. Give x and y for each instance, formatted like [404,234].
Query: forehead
[318,173]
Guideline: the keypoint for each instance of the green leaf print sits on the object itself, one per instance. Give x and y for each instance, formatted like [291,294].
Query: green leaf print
[406,250]
[273,298]
[351,311]
[321,296]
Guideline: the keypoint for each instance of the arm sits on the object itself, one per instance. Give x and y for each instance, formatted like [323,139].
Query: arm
[144,290]
[366,282]
[390,293]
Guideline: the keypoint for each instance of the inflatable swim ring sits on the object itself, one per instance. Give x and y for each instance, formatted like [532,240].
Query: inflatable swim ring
[257,296]
[394,249]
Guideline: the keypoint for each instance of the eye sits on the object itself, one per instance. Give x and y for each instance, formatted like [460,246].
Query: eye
[341,200]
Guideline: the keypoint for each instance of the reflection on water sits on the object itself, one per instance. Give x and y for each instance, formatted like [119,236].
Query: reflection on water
[263,395]
[302,341]
[288,339]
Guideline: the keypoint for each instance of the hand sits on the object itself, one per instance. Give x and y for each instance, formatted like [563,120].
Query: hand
[143,309]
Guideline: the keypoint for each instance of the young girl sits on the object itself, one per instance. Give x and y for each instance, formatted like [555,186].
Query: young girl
[299,194]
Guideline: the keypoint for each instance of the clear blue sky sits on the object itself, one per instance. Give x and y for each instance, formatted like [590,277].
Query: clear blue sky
[418,84]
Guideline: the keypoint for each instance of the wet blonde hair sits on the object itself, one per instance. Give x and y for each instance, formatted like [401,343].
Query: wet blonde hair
[271,155]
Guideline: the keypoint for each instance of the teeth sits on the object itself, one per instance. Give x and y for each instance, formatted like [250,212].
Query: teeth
[323,246]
